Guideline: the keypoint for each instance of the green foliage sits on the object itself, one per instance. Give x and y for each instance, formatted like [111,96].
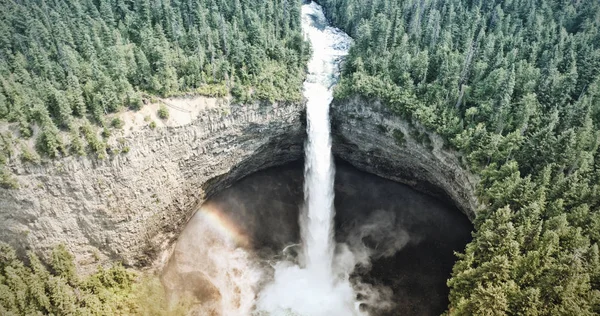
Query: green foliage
[95,145]
[515,87]
[106,133]
[89,59]
[399,137]
[61,262]
[163,112]
[152,125]
[34,289]
[117,123]
[29,156]
[212,90]
[54,288]
[240,93]
[76,146]
[49,141]
[7,181]
[6,148]
[135,101]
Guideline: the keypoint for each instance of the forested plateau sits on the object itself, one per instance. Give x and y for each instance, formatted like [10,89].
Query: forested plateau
[67,66]
[514,86]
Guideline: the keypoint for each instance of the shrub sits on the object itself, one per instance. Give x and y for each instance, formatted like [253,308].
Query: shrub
[49,142]
[29,156]
[6,180]
[152,125]
[61,262]
[24,128]
[240,93]
[96,146]
[399,137]
[117,123]
[76,147]
[212,90]
[135,101]
[163,112]
[106,133]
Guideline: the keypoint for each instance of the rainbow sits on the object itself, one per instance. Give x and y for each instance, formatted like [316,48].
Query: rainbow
[223,224]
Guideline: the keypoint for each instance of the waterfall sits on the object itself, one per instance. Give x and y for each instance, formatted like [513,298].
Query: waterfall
[313,287]
[318,212]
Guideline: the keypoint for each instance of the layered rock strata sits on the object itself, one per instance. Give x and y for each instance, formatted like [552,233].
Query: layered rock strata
[132,206]
[367,135]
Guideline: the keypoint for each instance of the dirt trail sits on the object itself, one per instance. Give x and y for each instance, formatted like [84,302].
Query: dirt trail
[182,111]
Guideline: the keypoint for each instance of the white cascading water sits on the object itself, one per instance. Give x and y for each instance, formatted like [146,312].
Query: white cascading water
[314,287]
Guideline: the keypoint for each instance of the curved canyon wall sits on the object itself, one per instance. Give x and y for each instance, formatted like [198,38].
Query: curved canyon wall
[367,135]
[132,206]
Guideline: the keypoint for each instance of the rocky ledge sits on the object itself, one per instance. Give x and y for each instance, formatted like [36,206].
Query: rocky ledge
[367,135]
[132,206]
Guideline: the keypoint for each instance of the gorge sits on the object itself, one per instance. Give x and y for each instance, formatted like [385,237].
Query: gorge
[131,207]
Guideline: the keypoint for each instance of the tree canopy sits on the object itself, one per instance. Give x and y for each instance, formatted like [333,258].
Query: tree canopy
[63,60]
[53,287]
[514,86]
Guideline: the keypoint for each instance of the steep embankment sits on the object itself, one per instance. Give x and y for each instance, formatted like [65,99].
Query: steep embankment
[132,205]
[370,137]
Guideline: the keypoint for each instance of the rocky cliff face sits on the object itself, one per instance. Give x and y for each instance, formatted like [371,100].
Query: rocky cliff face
[131,206]
[367,135]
